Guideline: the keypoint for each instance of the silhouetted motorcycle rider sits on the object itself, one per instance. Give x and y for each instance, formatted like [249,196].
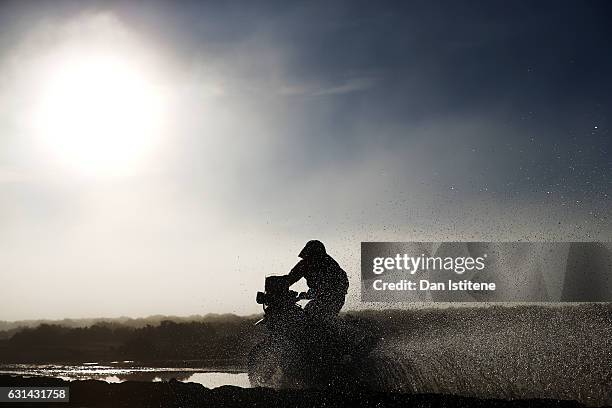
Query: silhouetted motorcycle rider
[326,280]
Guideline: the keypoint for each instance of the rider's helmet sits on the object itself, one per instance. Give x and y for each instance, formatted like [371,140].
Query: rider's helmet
[313,249]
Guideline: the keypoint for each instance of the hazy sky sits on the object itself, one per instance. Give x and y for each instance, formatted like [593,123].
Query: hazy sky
[164,157]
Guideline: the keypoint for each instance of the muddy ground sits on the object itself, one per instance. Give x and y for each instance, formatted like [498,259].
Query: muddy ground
[177,394]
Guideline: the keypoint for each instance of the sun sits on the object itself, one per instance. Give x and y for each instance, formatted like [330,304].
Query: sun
[98,114]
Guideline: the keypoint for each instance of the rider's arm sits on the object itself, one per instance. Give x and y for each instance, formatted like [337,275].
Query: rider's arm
[296,273]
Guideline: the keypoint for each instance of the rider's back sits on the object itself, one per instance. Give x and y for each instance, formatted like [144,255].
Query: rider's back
[323,274]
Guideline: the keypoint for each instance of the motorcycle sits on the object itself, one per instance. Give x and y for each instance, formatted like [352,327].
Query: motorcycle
[299,351]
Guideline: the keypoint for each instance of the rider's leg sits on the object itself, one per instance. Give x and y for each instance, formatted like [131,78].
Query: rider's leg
[324,307]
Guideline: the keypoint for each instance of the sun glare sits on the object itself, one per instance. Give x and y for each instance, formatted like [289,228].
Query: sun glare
[98,114]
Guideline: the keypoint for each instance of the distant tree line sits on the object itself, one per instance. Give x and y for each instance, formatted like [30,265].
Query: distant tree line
[224,342]
[227,340]
[154,320]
